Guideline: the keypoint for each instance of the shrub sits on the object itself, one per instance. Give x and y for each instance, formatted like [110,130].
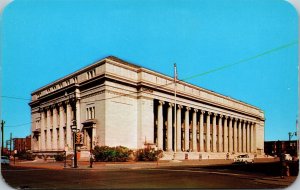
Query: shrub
[148,154]
[108,154]
[25,156]
[59,157]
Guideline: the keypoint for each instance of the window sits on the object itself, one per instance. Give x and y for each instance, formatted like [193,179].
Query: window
[68,82]
[91,74]
[90,112]
[75,80]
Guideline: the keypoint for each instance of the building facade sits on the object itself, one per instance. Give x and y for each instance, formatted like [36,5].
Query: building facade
[22,144]
[277,147]
[118,103]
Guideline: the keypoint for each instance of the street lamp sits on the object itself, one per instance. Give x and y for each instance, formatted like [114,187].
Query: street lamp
[74,130]
[74,127]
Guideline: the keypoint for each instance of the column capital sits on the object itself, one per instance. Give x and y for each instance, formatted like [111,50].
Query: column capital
[187,108]
[202,111]
[161,102]
[220,115]
[60,104]
[195,110]
[67,102]
[171,104]
[208,113]
[214,114]
[179,106]
[226,117]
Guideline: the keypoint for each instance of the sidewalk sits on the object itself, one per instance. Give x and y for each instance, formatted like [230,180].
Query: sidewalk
[116,165]
[125,165]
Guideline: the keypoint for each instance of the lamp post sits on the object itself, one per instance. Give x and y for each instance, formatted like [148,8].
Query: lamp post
[74,127]
[74,130]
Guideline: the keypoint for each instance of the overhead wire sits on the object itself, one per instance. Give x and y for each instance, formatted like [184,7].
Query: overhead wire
[191,77]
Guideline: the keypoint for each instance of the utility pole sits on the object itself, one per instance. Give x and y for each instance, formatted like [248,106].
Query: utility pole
[175,110]
[2,138]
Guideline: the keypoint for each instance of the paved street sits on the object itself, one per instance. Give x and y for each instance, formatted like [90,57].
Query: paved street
[142,175]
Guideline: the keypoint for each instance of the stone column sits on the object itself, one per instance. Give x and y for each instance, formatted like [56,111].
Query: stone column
[235,135]
[42,139]
[220,134]
[49,147]
[186,129]
[225,134]
[244,136]
[214,133]
[240,136]
[208,132]
[230,135]
[178,130]
[194,126]
[251,138]
[54,130]
[248,137]
[78,120]
[254,137]
[68,126]
[201,132]
[61,127]
[160,125]
[169,127]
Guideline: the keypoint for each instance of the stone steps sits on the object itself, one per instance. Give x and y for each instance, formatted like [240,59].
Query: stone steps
[198,155]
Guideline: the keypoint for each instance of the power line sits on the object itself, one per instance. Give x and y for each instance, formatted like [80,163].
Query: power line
[187,78]
[243,60]
[17,98]
[19,125]
[213,70]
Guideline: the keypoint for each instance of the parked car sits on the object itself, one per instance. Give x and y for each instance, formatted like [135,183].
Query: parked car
[4,160]
[288,157]
[243,158]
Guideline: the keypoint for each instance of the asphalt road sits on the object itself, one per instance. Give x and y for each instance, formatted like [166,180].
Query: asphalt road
[161,177]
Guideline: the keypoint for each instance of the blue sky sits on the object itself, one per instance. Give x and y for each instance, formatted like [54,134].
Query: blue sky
[42,41]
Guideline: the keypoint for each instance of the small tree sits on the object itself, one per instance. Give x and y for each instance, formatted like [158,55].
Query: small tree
[108,154]
[59,157]
[148,154]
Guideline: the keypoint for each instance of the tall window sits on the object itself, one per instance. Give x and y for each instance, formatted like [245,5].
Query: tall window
[90,112]
[90,74]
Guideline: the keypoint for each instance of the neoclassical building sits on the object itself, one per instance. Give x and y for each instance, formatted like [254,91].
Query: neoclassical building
[118,103]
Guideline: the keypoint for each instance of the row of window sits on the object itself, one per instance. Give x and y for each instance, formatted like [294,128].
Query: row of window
[90,74]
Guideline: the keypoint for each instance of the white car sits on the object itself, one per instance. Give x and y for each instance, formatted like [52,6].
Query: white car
[288,157]
[244,158]
[4,160]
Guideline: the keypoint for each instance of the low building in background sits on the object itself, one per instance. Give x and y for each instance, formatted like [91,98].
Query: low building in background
[113,102]
[22,144]
[275,148]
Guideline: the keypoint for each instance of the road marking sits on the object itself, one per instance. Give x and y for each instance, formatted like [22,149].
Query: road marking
[23,170]
[198,171]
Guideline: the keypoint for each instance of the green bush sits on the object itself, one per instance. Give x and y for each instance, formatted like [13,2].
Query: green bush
[25,156]
[109,154]
[59,157]
[148,154]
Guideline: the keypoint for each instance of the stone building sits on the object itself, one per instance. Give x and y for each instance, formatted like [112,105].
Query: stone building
[118,103]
